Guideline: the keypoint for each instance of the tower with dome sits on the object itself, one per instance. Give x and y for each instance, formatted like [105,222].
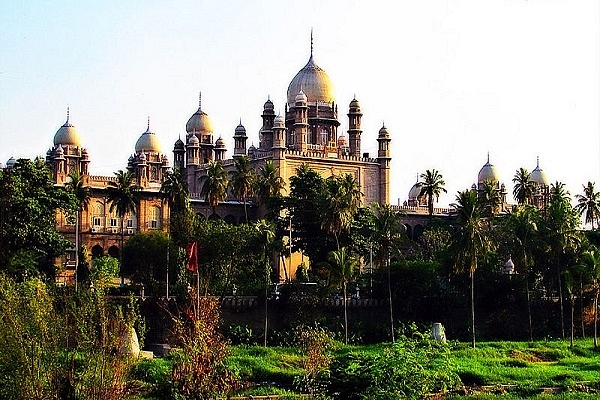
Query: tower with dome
[307,133]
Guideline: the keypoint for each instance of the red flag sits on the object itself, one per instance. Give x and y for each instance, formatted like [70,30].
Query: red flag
[192,256]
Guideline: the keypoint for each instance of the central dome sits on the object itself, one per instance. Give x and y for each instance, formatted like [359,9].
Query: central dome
[148,143]
[314,82]
[67,135]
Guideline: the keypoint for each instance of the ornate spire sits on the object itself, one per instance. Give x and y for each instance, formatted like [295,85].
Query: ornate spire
[311,42]
[200,100]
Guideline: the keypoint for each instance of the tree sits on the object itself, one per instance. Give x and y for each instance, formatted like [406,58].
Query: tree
[469,240]
[385,229]
[341,205]
[243,180]
[176,190]
[344,267]
[308,194]
[76,185]
[589,203]
[29,202]
[266,231]
[123,196]
[269,185]
[432,186]
[562,235]
[522,224]
[489,199]
[523,190]
[214,189]
[591,261]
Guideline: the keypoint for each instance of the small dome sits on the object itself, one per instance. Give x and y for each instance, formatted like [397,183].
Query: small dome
[354,105]
[415,191]
[67,135]
[148,142]
[315,83]
[240,130]
[59,151]
[342,141]
[220,143]
[487,173]
[11,162]
[142,158]
[200,123]
[383,132]
[193,141]
[301,98]
[539,176]
[179,145]
[269,105]
[279,122]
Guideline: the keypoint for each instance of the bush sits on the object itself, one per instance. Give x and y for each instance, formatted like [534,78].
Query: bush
[410,368]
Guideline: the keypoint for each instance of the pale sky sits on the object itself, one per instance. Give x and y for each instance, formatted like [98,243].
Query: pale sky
[452,80]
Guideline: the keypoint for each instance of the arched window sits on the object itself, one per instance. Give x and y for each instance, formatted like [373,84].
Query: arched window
[153,217]
[98,213]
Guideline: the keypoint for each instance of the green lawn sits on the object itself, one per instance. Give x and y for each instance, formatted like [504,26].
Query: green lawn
[506,370]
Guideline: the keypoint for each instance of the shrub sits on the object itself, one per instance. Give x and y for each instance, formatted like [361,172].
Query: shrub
[409,368]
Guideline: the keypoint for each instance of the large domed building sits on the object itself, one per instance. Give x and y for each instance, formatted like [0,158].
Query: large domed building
[306,134]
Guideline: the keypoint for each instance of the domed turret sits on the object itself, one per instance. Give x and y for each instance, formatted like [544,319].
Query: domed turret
[269,105]
[193,141]
[148,142]
[354,105]
[314,82]
[179,145]
[67,135]
[487,173]
[199,122]
[11,162]
[279,122]
[301,99]
[220,143]
[342,141]
[538,175]
[240,130]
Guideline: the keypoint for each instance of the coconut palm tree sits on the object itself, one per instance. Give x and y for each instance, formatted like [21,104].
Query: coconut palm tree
[591,261]
[489,199]
[470,240]
[386,228]
[123,196]
[523,190]
[432,185]
[269,185]
[344,266]
[76,185]
[266,234]
[341,205]
[243,180]
[523,222]
[561,234]
[589,203]
[214,189]
[175,188]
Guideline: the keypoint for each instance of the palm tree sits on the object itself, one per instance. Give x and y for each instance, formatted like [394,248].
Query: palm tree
[591,261]
[76,185]
[266,233]
[269,184]
[589,202]
[562,234]
[214,189]
[243,181]
[175,188]
[489,199]
[470,240]
[123,196]
[341,205]
[523,190]
[385,230]
[344,266]
[523,222]
[432,186]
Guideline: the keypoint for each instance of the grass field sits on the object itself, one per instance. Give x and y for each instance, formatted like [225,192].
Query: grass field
[493,370]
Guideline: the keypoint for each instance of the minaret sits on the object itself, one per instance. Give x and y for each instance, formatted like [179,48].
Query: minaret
[354,131]
[220,149]
[268,117]
[239,138]
[301,122]
[383,157]
[179,154]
